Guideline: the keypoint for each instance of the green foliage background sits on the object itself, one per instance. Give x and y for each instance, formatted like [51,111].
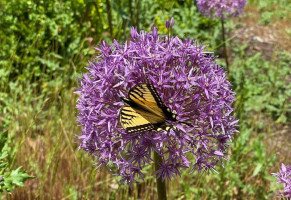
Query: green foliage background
[45,46]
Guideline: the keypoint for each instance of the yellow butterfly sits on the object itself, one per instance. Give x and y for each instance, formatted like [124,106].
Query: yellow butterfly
[145,110]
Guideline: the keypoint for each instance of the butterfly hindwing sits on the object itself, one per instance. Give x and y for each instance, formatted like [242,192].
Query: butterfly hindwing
[135,120]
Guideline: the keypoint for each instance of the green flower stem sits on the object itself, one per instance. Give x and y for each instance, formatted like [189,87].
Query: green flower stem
[224,45]
[109,17]
[161,185]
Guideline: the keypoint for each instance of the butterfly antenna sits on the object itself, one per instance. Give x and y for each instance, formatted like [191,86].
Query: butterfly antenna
[186,123]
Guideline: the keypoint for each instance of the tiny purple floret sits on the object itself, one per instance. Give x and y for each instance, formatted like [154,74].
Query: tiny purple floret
[168,25]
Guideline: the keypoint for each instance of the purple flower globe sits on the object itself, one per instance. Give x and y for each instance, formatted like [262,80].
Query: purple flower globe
[188,81]
[284,176]
[221,8]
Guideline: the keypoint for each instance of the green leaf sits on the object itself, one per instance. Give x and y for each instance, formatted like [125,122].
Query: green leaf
[15,178]
[3,155]
[257,169]
[3,139]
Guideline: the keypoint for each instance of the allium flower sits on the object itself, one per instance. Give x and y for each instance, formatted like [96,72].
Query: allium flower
[221,8]
[284,176]
[188,81]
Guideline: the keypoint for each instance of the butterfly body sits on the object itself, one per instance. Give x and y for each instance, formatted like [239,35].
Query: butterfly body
[145,110]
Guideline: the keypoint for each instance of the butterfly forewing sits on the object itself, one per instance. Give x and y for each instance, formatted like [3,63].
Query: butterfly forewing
[146,97]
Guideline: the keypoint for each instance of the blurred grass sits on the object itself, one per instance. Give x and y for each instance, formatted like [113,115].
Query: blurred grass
[45,49]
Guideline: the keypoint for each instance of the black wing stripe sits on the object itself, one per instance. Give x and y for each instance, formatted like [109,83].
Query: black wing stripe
[140,128]
[137,97]
[156,96]
[126,114]
[141,93]
[136,90]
